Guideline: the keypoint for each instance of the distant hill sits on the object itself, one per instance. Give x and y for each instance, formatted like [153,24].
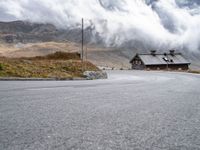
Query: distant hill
[107,57]
[26,32]
[27,39]
[19,38]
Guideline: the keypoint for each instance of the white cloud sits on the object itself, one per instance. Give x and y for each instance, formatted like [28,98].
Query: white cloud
[161,24]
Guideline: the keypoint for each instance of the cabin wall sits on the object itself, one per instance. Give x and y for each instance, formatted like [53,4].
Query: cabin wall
[137,64]
[179,67]
[138,67]
[170,67]
[156,67]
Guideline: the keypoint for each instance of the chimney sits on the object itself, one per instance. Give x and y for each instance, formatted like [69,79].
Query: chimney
[153,52]
[172,52]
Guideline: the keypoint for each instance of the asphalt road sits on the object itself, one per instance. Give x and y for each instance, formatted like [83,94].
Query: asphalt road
[131,110]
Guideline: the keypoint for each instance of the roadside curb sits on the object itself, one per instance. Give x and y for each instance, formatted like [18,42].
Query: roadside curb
[40,79]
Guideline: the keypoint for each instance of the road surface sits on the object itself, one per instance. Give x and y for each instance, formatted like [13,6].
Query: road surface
[131,110]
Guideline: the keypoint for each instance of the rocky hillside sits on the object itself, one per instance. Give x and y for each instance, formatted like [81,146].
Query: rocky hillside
[20,38]
[27,39]
[26,32]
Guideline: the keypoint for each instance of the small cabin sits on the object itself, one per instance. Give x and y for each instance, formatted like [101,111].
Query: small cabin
[156,61]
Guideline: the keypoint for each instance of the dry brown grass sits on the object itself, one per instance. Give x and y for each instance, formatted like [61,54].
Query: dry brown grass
[101,56]
[36,49]
[7,48]
[44,67]
[194,71]
[56,56]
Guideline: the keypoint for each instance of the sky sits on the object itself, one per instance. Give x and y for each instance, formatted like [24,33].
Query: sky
[159,24]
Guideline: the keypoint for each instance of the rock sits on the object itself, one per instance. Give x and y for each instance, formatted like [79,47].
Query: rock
[93,75]
[27,61]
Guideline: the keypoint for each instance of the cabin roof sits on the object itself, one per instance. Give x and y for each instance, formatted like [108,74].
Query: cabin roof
[161,59]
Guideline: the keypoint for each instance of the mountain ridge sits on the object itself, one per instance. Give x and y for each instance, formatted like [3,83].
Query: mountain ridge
[24,33]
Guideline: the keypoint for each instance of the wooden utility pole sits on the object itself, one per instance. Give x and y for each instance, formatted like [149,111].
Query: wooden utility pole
[82,50]
[86,53]
[86,57]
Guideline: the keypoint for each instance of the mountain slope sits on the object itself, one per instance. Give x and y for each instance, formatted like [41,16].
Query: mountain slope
[20,38]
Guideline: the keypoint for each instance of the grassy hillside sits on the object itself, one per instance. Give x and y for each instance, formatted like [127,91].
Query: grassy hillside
[58,65]
[36,49]
[100,56]
[104,57]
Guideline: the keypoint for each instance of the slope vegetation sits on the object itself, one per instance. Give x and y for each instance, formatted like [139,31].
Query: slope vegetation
[59,65]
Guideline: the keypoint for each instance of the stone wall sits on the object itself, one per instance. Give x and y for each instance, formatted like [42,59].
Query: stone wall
[93,75]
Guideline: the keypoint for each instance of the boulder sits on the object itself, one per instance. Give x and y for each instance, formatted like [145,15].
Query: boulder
[93,75]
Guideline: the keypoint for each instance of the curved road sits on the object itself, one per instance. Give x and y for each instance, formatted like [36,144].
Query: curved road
[131,110]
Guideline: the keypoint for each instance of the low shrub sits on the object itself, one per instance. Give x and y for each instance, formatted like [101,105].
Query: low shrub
[194,71]
[63,56]
[1,67]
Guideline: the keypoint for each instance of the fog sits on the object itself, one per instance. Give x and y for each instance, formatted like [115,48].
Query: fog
[157,24]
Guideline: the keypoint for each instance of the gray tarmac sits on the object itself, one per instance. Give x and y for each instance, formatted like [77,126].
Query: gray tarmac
[132,110]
